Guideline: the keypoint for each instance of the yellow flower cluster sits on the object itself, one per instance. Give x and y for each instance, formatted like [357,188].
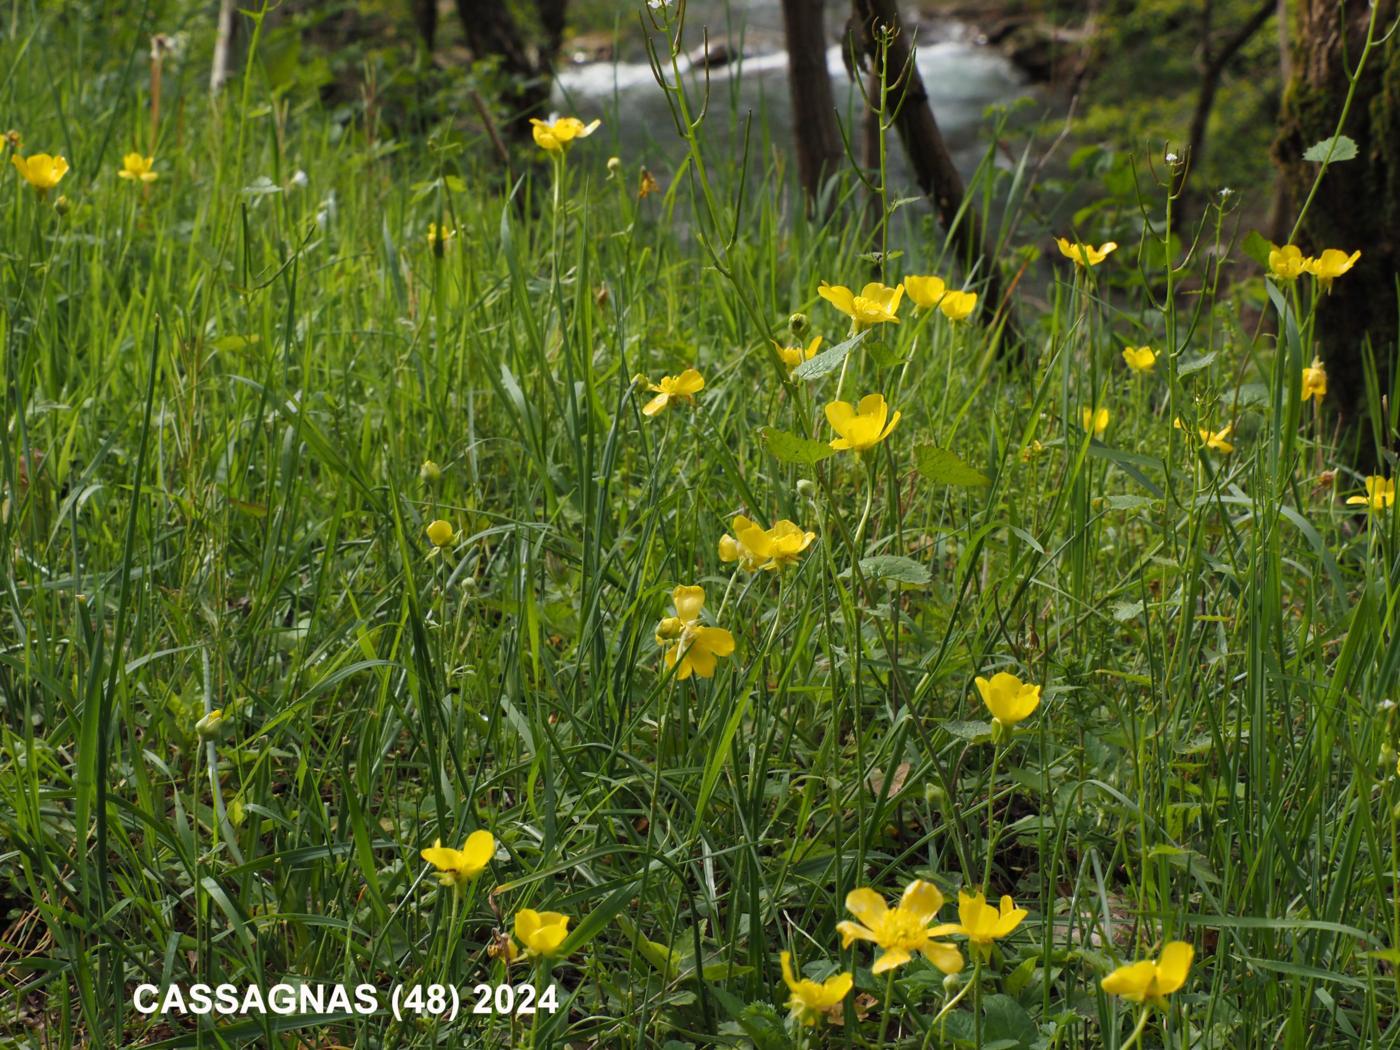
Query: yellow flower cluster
[877,303]
[755,547]
[691,647]
[539,934]
[1289,263]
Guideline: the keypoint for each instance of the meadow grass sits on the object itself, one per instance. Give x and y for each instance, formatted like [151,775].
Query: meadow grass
[221,388]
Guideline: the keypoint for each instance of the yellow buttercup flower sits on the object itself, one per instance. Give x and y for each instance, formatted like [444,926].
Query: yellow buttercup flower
[683,387]
[1330,265]
[1218,440]
[861,426]
[1287,263]
[441,533]
[958,306]
[457,867]
[1152,981]
[1315,380]
[792,356]
[540,933]
[982,924]
[874,304]
[41,171]
[1140,359]
[925,291]
[1380,494]
[1085,254]
[1094,420]
[733,548]
[556,136]
[438,236]
[136,168]
[694,648]
[1009,699]
[808,1000]
[757,548]
[903,930]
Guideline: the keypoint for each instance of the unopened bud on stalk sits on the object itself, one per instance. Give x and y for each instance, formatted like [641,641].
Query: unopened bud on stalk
[797,324]
[211,726]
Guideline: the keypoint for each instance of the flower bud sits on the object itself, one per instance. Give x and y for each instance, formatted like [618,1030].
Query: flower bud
[429,473]
[797,324]
[952,983]
[806,488]
[236,813]
[211,726]
[441,533]
[62,205]
[614,165]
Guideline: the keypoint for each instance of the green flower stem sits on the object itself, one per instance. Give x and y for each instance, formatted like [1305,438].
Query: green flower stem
[937,1021]
[885,1014]
[991,818]
[1136,1037]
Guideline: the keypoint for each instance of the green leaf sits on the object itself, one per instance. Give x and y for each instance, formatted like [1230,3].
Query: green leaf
[943,467]
[972,732]
[1126,502]
[828,360]
[598,917]
[1125,611]
[789,448]
[1190,366]
[1007,1023]
[896,567]
[1339,146]
[1257,247]
[233,342]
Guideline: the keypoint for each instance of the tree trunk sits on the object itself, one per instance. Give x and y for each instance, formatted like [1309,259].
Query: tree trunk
[491,30]
[1214,61]
[425,17]
[223,39]
[815,135]
[928,154]
[1357,205]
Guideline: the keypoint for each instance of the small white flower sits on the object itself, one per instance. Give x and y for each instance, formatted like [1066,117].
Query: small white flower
[1171,158]
[300,178]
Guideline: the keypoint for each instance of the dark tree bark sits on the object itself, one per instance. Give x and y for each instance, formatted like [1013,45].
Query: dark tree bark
[815,135]
[1213,62]
[491,30]
[425,18]
[1357,205]
[928,154]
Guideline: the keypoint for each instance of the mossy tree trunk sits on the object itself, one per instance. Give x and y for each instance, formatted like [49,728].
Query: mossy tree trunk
[1357,205]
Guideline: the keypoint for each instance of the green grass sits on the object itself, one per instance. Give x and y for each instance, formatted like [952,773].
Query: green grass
[218,395]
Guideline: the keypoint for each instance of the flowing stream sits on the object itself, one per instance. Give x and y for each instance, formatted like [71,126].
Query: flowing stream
[961,77]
